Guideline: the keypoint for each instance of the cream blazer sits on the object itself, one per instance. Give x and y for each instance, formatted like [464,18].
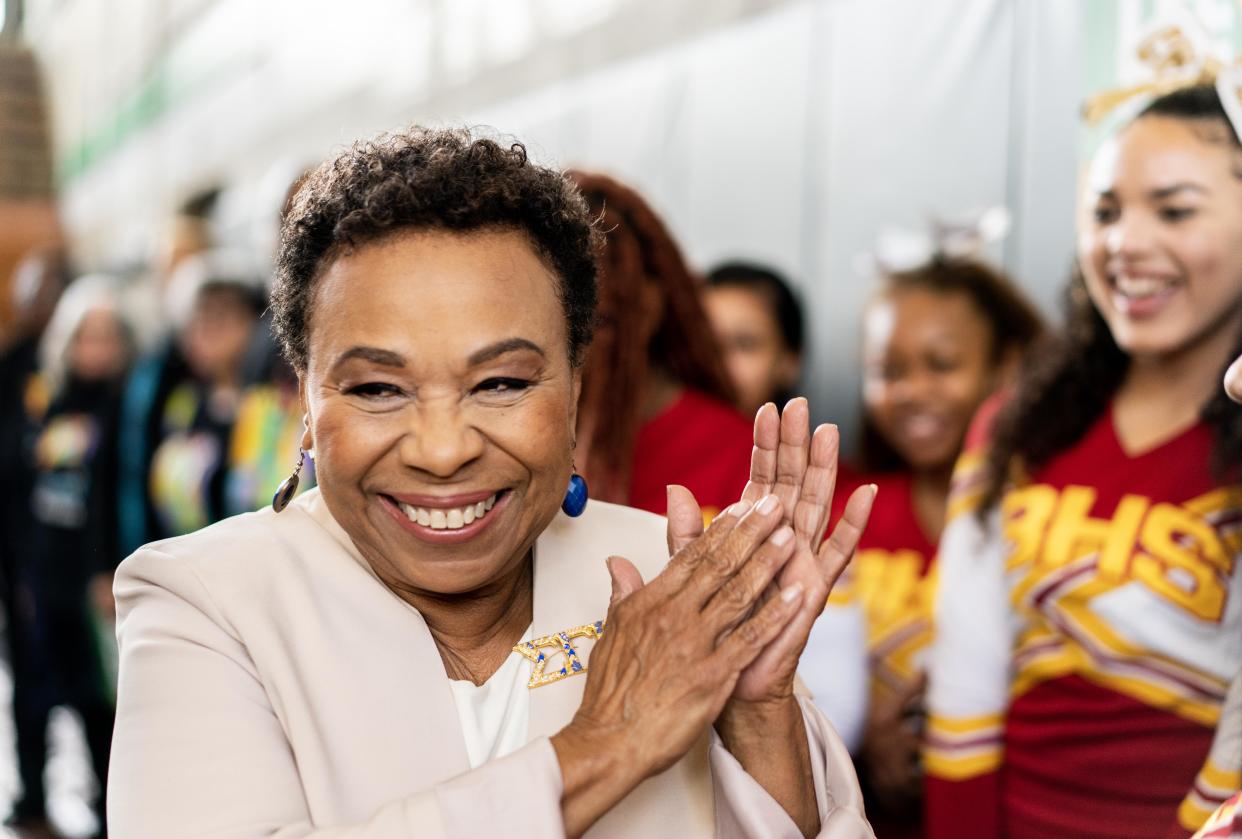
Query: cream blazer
[272,686]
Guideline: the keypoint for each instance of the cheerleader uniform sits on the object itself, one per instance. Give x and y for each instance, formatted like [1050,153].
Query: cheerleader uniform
[891,581]
[1212,803]
[1087,630]
[891,578]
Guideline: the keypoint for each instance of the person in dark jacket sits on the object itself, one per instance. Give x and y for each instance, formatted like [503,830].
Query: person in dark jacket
[64,572]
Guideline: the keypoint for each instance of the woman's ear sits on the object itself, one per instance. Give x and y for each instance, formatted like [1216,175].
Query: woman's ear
[575,395]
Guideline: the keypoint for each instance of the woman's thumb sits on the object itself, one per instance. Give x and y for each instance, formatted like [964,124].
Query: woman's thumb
[625,578]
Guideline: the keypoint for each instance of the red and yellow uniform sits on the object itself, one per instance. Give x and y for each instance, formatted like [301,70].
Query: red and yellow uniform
[1225,823]
[891,579]
[1086,633]
[697,442]
[1221,776]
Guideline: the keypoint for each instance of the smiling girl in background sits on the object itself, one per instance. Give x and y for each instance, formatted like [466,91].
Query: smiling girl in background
[938,339]
[1088,616]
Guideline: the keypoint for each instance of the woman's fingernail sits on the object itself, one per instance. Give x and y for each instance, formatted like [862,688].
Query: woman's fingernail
[768,504]
[739,509]
[782,536]
[791,593]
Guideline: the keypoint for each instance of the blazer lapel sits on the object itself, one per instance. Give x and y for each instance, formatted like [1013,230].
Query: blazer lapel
[571,589]
[421,741]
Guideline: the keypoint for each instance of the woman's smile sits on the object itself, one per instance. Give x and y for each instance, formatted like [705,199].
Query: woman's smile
[449,519]
[1143,294]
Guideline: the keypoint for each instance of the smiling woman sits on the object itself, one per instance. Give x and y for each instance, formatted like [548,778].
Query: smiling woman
[1087,622]
[363,664]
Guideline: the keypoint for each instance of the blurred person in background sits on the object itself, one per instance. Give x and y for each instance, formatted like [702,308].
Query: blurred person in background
[267,427]
[269,417]
[937,340]
[64,607]
[1087,620]
[219,300]
[758,324]
[38,283]
[657,404]
[159,371]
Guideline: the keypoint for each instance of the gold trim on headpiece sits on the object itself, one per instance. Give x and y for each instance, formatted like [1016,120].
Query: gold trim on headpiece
[1174,62]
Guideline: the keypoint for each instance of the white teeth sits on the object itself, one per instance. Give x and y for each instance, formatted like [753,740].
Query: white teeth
[440,518]
[1140,286]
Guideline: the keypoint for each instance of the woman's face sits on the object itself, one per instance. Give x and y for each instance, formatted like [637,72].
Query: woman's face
[759,362]
[1160,241]
[98,350]
[218,332]
[927,367]
[441,404]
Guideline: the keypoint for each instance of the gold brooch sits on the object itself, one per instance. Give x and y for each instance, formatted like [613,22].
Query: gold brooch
[540,650]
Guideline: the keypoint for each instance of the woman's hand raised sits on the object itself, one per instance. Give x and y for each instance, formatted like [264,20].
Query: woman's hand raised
[762,725]
[672,655]
[800,468]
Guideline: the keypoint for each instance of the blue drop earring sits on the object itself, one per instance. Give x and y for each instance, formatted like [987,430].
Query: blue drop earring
[576,496]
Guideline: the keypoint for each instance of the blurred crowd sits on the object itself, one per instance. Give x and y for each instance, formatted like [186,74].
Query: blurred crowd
[135,408]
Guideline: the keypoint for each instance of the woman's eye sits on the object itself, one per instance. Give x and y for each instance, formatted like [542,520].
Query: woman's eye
[1176,214]
[373,390]
[1105,215]
[501,386]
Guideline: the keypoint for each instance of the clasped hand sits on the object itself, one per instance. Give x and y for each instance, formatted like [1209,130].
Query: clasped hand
[722,627]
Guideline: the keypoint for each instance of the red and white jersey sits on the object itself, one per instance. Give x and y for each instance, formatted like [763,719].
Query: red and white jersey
[1087,631]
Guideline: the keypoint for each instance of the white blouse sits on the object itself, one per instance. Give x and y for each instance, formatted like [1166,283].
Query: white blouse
[495,715]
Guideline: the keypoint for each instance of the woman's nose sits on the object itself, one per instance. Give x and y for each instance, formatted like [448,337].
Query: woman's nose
[440,440]
[912,387]
[1129,235]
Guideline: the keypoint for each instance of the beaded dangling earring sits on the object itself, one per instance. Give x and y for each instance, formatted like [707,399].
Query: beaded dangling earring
[289,486]
[575,496]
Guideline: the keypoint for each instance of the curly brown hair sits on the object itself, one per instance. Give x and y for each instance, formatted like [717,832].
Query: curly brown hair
[638,249]
[432,179]
[1013,320]
[1067,385]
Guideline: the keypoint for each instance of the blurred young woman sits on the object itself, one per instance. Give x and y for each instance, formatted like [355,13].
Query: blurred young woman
[758,322]
[1089,611]
[657,404]
[64,580]
[937,341]
[220,306]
